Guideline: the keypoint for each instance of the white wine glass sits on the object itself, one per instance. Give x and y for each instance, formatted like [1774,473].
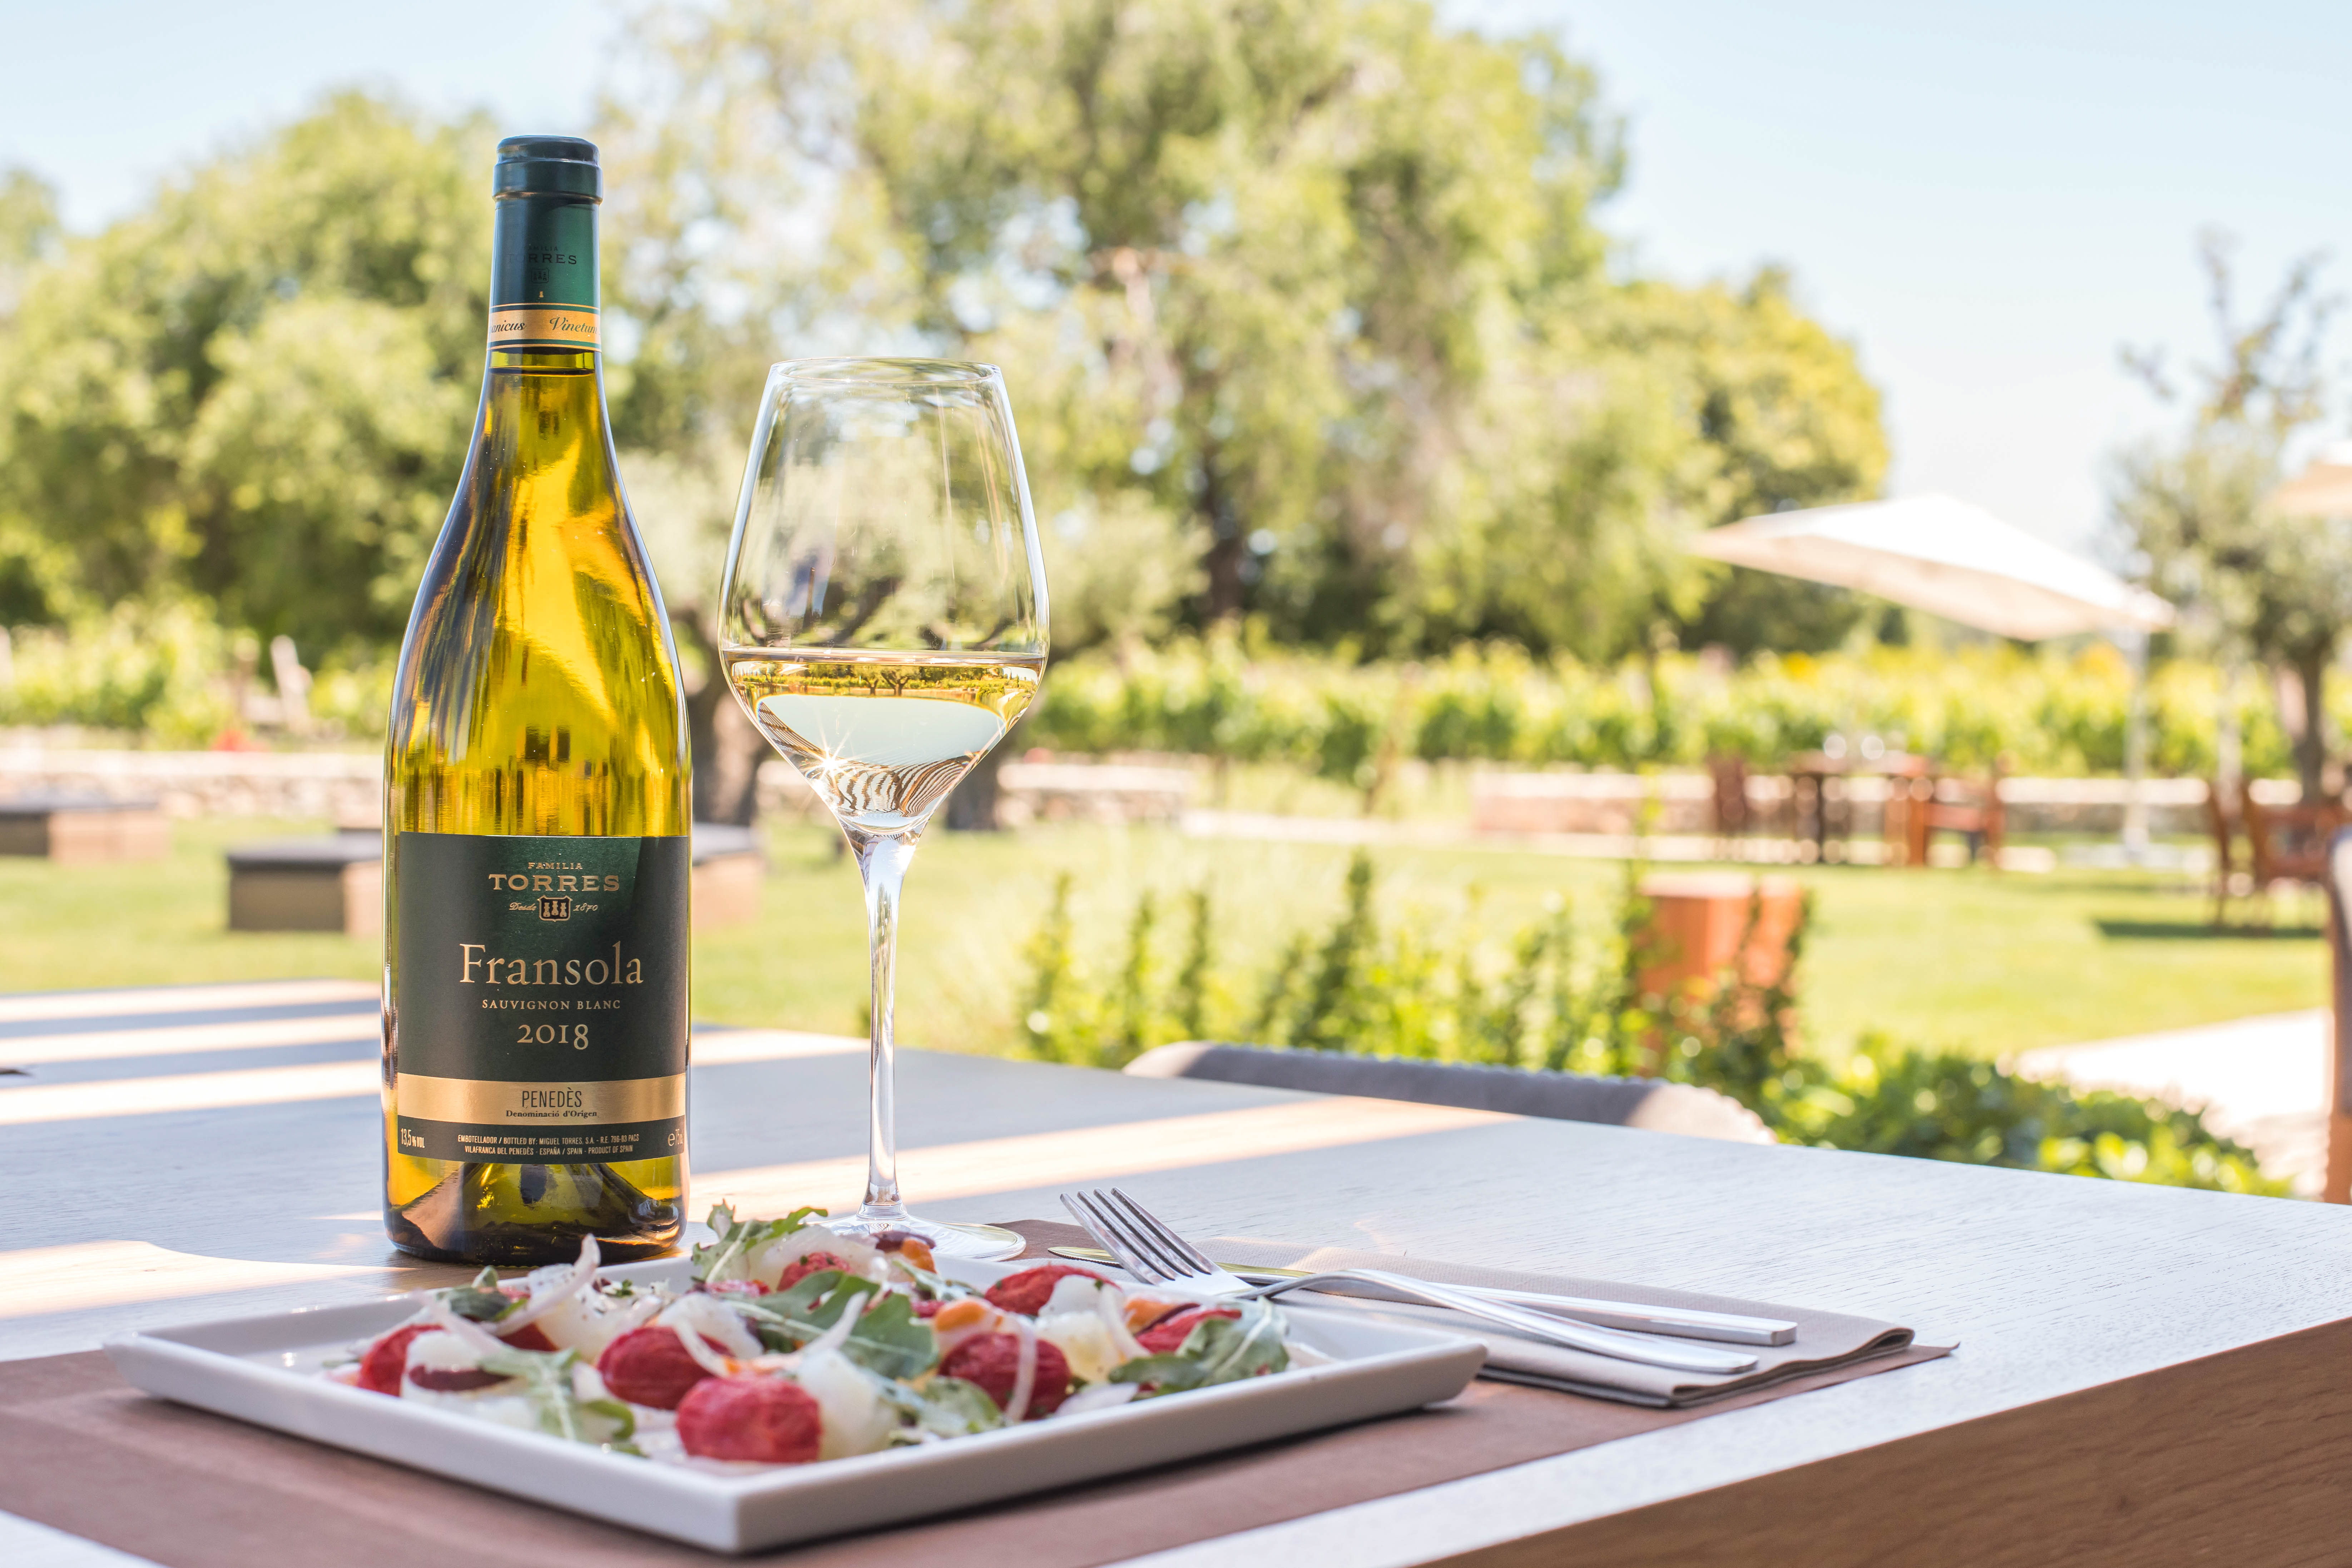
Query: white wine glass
[883,622]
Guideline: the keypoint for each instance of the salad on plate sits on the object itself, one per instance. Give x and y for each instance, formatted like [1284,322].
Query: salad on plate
[791,1344]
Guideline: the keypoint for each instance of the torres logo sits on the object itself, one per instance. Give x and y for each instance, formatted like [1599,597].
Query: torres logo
[554,907]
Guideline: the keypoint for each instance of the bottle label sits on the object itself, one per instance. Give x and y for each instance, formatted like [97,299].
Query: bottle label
[569,328]
[539,1013]
[544,274]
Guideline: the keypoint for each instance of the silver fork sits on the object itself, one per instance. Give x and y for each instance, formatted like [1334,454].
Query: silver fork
[1149,1248]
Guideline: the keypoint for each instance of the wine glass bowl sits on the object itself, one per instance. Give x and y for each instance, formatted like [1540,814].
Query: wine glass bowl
[883,622]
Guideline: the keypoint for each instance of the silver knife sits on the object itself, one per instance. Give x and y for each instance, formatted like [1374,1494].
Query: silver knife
[1680,1322]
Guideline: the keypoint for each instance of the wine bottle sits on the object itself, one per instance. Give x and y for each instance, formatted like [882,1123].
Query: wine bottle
[537,816]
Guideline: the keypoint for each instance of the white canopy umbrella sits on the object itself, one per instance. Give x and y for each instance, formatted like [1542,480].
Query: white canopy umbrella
[1959,561]
[1944,556]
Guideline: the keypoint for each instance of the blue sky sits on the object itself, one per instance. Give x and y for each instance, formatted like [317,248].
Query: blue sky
[1988,198]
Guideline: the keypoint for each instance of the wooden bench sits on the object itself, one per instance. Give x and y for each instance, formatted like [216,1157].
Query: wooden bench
[83,830]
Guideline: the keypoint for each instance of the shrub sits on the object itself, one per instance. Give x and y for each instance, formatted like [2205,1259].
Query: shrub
[152,670]
[164,674]
[1427,987]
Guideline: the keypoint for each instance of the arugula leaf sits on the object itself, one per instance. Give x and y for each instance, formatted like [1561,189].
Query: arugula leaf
[1160,1373]
[800,1300]
[891,1341]
[547,1381]
[889,1338]
[546,1377]
[951,1407]
[625,1424]
[1218,1350]
[482,1300]
[738,1237]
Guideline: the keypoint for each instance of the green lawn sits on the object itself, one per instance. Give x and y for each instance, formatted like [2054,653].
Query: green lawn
[154,924]
[1992,964]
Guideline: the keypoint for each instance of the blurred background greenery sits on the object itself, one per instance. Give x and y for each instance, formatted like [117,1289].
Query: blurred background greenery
[1304,306]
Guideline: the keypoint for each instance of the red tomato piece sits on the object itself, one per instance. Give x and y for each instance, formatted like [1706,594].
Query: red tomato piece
[1028,1292]
[766,1420]
[1167,1336]
[453,1379]
[809,1263]
[993,1362]
[649,1366]
[386,1359]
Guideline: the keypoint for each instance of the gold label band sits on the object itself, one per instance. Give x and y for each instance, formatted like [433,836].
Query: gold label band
[482,1102]
[543,326]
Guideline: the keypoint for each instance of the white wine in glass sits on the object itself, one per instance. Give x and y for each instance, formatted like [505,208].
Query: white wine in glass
[884,622]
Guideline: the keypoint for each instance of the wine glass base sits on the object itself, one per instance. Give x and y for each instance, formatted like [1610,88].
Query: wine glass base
[987,1243]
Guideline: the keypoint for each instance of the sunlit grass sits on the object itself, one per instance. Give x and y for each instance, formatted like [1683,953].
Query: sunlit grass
[1971,959]
[1987,962]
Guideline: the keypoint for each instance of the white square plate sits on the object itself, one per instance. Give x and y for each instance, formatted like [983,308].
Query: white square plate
[259,1369]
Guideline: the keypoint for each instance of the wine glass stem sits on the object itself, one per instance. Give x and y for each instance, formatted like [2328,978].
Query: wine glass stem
[882,860]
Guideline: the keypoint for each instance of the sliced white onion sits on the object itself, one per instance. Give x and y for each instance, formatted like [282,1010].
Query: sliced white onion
[440,1352]
[697,1317]
[1100,1396]
[767,1262]
[1025,1382]
[854,1417]
[1111,1303]
[478,1339]
[591,1320]
[550,1293]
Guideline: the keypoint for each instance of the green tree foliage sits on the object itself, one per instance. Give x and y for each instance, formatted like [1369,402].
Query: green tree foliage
[1784,419]
[1775,415]
[1302,299]
[256,390]
[2195,505]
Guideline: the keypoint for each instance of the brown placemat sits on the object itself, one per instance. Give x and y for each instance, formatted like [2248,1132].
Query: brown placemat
[82,1451]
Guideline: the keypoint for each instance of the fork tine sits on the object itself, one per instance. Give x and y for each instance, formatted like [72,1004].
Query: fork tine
[1103,1236]
[1117,1237]
[1167,1262]
[1166,1235]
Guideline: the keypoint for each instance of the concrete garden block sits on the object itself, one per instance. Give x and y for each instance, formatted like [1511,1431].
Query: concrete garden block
[309,884]
[81,830]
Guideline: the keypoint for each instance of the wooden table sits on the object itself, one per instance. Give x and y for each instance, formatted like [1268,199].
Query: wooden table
[2146,1376]
[1821,819]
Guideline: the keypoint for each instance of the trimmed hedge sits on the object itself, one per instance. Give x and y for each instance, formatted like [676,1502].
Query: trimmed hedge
[2048,714]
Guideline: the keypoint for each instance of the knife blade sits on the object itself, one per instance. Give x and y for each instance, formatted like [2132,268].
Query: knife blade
[1678,1323]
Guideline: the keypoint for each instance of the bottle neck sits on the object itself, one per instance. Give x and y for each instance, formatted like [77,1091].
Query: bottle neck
[543,283]
[543,406]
